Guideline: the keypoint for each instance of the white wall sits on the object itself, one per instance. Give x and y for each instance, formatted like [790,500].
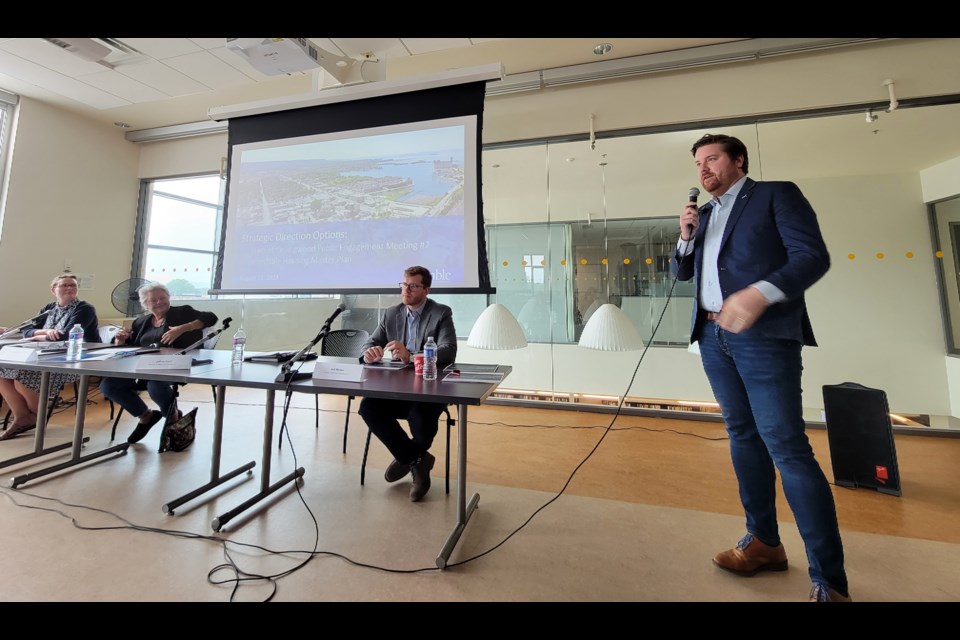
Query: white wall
[850,75]
[941,181]
[72,195]
[182,156]
[877,321]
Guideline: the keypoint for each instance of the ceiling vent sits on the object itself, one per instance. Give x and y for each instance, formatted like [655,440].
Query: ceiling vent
[85,48]
[109,52]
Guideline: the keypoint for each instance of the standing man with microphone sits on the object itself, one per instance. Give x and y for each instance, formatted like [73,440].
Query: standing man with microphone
[404,329]
[752,252]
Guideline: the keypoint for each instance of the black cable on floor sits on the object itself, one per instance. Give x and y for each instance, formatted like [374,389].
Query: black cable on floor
[603,436]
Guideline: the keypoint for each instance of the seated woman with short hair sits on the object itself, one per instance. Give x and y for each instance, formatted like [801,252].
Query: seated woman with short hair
[163,326]
[20,388]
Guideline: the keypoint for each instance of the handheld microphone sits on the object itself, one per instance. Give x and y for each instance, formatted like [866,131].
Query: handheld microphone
[694,193]
[286,375]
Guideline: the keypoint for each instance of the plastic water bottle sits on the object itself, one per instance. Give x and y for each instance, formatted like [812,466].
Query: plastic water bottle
[239,342]
[75,343]
[430,360]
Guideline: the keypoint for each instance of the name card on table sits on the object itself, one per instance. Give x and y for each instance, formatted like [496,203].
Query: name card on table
[338,368]
[164,362]
[18,354]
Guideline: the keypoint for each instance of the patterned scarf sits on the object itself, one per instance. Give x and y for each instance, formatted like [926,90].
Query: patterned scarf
[57,318]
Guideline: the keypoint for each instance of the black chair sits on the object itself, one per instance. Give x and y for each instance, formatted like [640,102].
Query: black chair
[450,422]
[347,343]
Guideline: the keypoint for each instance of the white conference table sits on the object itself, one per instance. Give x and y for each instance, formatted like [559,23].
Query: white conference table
[114,368]
[394,385]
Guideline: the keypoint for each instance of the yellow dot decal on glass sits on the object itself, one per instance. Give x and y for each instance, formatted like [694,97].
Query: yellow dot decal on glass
[523,263]
[583,261]
[563,262]
[604,261]
[851,256]
[504,263]
[879,255]
[909,254]
[543,262]
[626,261]
[649,260]
[939,254]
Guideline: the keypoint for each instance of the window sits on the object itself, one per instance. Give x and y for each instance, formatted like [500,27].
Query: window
[946,222]
[180,226]
[8,102]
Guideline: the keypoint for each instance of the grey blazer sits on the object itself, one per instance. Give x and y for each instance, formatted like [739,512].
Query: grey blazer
[435,320]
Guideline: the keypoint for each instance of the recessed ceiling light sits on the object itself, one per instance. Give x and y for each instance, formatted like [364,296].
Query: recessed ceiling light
[603,49]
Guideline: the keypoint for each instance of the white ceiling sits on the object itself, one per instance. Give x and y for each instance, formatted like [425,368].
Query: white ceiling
[168,81]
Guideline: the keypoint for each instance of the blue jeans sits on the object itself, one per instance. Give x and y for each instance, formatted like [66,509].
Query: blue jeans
[756,380]
[125,392]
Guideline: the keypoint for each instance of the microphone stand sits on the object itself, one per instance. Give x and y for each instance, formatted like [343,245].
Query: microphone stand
[23,325]
[286,375]
[212,334]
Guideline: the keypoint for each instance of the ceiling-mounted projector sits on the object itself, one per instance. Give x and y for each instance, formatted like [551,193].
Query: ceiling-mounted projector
[275,56]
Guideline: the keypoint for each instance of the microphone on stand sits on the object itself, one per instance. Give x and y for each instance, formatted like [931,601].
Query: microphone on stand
[286,375]
[26,323]
[212,334]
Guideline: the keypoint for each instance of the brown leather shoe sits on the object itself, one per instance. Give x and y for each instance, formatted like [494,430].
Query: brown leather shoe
[751,556]
[421,476]
[396,471]
[822,593]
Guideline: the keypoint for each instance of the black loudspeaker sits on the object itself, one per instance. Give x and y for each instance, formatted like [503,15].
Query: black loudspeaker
[861,437]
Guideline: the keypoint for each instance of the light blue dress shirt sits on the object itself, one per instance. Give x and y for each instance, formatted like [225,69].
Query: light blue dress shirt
[413,329]
[711,295]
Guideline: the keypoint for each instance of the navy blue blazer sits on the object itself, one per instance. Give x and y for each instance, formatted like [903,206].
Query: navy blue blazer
[772,234]
[83,314]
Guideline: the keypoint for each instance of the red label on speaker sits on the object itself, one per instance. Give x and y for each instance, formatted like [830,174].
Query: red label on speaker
[882,473]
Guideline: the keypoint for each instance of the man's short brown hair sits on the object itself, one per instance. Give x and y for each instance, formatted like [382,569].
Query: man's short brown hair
[733,147]
[423,272]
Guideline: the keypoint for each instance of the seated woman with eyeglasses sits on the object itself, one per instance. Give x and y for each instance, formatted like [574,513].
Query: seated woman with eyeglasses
[21,388]
[163,326]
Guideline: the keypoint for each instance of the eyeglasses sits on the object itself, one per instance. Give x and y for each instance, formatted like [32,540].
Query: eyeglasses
[412,286]
[66,286]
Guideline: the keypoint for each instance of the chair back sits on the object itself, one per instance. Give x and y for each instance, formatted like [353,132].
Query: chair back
[212,342]
[344,342]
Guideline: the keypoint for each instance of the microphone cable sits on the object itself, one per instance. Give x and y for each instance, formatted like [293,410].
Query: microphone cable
[606,431]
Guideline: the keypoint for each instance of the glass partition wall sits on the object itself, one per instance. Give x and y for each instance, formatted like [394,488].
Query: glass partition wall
[572,225]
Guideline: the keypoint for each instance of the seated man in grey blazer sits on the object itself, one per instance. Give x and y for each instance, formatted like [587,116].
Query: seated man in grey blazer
[403,330]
